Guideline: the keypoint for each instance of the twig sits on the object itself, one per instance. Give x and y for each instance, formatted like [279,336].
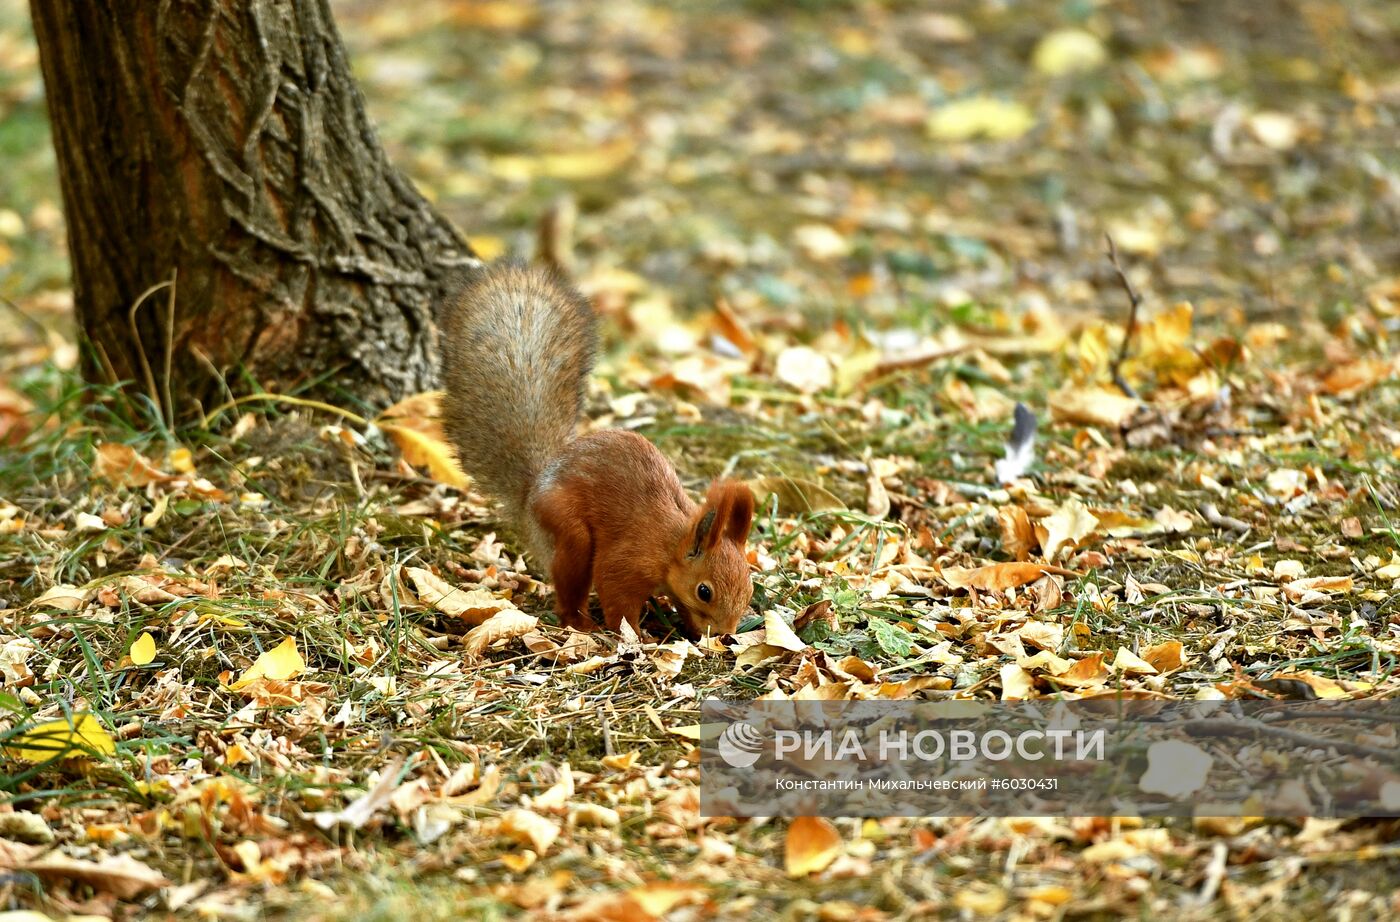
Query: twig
[1229,726]
[1213,516]
[607,731]
[294,401]
[141,349]
[170,345]
[1129,328]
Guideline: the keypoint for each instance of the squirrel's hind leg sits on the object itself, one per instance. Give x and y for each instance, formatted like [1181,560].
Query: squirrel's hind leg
[572,573]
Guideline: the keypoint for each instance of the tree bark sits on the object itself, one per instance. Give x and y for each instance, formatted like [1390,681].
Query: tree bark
[222,146]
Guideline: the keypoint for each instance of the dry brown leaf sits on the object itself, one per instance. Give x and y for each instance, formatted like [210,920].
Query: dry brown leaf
[359,811]
[123,466]
[778,634]
[1017,533]
[997,577]
[812,844]
[474,605]
[120,875]
[501,626]
[528,828]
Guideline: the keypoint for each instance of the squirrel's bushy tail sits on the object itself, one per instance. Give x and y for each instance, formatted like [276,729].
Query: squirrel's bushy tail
[517,347]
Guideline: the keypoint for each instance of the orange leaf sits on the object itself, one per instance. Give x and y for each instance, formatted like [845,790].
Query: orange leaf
[123,466]
[997,577]
[812,844]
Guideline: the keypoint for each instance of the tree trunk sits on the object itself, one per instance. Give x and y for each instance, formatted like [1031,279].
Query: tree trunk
[223,145]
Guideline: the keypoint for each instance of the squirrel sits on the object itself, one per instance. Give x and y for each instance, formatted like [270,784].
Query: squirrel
[605,509]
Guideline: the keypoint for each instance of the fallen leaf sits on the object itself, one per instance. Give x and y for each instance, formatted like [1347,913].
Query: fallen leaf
[122,466]
[1092,406]
[996,577]
[1017,533]
[503,625]
[778,634]
[1175,769]
[1067,527]
[1165,657]
[279,664]
[1276,130]
[981,899]
[812,844]
[359,811]
[804,369]
[143,651]
[820,242]
[1128,662]
[1068,51]
[980,117]
[1016,683]
[528,828]
[473,605]
[415,425]
[61,739]
[120,875]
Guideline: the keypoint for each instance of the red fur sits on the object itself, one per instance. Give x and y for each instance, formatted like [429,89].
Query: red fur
[621,521]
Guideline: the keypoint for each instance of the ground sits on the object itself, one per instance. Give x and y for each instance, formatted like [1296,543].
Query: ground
[834,244]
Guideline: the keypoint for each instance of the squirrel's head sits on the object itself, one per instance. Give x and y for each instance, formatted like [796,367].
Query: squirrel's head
[707,578]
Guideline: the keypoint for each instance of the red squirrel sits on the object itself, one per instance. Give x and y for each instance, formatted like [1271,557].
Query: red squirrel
[605,509]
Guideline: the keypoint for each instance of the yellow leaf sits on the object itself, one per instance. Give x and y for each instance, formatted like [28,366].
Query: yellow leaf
[1016,683]
[1128,662]
[981,899]
[488,248]
[61,739]
[1092,406]
[803,369]
[812,844]
[980,117]
[143,650]
[280,663]
[1068,51]
[1175,768]
[1070,524]
[660,897]
[416,428]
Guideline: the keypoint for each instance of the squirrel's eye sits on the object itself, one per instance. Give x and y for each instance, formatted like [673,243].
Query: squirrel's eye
[704,592]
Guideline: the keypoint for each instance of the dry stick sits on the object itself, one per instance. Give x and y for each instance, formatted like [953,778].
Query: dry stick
[170,344]
[607,731]
[1228,726]
[1129,328]
[141,349]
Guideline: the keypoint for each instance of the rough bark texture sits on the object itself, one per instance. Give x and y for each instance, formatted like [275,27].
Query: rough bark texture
[224,143]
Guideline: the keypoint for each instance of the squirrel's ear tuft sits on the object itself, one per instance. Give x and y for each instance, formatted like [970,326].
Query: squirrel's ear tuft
[704,529]
[733,505]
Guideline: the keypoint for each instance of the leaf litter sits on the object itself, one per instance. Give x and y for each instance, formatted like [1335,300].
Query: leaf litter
[286,660]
